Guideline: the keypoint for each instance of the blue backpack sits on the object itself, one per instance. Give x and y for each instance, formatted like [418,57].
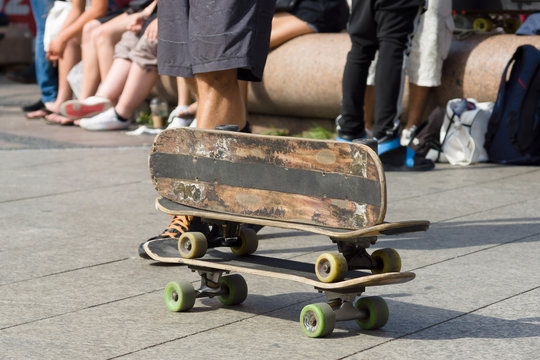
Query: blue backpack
[513,135]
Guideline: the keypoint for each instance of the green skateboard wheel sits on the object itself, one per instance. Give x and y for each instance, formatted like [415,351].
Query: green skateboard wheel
[234,288]
[317,320]
[376,310]
[180,296]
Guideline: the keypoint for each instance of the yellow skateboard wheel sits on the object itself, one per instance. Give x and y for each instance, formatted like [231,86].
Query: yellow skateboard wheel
[331,267]
[482,24]
[387,260]
[250,242]
[192,245]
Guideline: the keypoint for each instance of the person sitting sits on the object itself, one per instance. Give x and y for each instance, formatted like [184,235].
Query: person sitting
[66,47]
[132,76]
[98,43]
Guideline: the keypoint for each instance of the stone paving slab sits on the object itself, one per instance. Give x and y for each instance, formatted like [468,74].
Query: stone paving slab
[68,194]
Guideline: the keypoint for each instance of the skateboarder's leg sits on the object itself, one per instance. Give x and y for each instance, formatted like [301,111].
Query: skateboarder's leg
[220,100]
[234,48]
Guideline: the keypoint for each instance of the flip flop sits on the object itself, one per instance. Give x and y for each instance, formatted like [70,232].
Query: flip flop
[58,119]
[37,114]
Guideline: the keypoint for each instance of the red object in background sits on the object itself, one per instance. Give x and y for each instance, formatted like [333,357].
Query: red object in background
[19,12]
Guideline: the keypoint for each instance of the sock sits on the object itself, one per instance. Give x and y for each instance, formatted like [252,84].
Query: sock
[121,118]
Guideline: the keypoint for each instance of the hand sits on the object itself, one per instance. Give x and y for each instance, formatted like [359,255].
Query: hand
[136,23]
[151,31]
[56,49]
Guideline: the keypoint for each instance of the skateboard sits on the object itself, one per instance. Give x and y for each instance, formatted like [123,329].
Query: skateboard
[484,23]
[229,179]
[316,320]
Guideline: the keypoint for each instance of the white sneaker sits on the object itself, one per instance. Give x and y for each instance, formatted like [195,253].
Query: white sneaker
[105,121]
[91,106]
[176,120]
[407,135]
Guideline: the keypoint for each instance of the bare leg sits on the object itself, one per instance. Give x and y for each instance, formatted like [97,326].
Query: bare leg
[98,51]
[285,27]
[184,94]
[191,86]
[114,83]
[90,61]
[72,55]
[220,100]
[418,96]
[369,107]
[138,85]
[106,38]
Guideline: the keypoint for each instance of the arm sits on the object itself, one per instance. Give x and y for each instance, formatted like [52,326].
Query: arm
[77,17]
[139,18]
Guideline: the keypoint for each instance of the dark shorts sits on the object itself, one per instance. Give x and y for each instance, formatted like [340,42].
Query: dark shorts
[323,15]
[204,36]
[111,14]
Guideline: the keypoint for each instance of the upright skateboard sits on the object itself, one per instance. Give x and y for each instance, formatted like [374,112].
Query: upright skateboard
[228,179]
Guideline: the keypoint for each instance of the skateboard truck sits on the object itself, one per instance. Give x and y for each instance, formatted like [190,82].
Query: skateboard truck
[242,241]
[343,307]
[356,254]
[209,283]
[380,261]
[228,236]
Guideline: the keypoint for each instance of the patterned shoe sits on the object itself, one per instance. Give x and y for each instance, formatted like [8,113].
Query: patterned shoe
[92,106]
[178,226]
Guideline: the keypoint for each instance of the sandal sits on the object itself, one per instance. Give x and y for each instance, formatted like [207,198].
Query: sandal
[57,119]
[38,114]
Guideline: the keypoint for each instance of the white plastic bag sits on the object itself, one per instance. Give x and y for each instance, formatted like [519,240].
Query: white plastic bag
[463,131]
[55,20]
[75,79]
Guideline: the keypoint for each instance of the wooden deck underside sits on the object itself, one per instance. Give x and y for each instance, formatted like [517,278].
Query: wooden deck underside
[320,183]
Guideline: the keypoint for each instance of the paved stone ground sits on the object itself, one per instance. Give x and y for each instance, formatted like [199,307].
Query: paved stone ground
[74,205]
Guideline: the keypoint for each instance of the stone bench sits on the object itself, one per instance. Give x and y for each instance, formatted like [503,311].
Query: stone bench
[302,78]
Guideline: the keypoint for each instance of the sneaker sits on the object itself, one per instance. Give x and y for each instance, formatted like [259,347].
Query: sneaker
[179,118]
[89,107]
[407,135]
[107,120]
[342,137]
[38,105]
[178,226]
[396,157]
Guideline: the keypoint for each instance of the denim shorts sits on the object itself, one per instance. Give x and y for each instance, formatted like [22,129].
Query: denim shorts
[213,35]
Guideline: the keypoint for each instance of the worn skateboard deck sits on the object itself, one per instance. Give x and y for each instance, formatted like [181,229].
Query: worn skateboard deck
[386,228]
[166,251]
[283,179]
